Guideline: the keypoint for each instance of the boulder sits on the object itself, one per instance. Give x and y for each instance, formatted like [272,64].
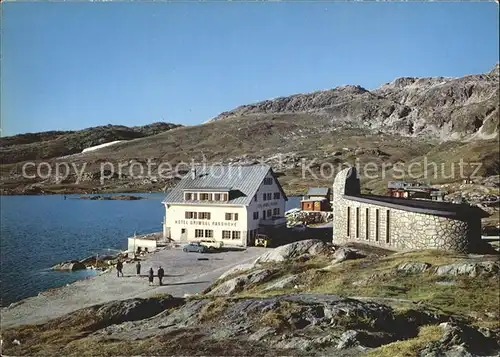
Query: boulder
[117,312]
[413,267]
[344,254]
[237,269]
[471,269]
[283,283]
[237,284]
[293,250]
[461,341]
[348,339]
[69,266]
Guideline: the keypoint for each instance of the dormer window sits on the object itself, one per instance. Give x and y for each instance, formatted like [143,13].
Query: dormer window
[202,195]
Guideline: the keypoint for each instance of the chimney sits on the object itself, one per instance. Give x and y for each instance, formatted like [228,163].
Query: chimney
[193,173]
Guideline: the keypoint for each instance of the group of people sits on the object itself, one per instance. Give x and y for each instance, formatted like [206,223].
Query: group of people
[160,273]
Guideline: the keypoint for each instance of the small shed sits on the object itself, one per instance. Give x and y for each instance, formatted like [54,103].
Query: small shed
[317,199]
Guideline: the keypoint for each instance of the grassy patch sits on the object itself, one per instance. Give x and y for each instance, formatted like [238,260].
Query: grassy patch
[378,278]
[213,309]
[411,347]
[278,318]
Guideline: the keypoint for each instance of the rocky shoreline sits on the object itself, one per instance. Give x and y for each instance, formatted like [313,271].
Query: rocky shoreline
[110,198]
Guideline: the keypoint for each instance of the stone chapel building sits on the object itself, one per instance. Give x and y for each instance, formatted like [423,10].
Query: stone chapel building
[401,223]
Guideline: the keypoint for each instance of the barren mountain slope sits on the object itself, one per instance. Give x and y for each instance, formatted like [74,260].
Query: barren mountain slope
[302,136]
[441,108]
[46,145]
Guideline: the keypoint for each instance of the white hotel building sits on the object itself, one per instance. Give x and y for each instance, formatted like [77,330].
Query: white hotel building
[228,203]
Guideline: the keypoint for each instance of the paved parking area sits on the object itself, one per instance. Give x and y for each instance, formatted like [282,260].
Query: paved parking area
[185,273]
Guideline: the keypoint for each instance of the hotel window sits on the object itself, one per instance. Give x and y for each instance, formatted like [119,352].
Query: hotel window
[269,213]
[377,224]
[236,235]
[268,181]
[190,215]
[264,196]
[195,196]
[195,215]
[357,222]
[209,233]
[269,196]
[367,223]
[188,196]
[204,215]
[256,215]
[276,211]
[226,234]
[224,196]
[231,216]
[255,197]
[198,233]
[210,197]
[217,197]
[348,221]
[203,196]
[276,195]
[387,227]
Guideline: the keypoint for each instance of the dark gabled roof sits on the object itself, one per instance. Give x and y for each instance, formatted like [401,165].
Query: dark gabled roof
[438,208]
[318,191]
[242,182]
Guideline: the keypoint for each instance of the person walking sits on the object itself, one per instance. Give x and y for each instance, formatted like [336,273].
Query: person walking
[151,276]
[161,274]
[119,268]
[138,268]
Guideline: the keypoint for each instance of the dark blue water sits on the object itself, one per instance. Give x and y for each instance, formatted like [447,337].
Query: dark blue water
[38,232]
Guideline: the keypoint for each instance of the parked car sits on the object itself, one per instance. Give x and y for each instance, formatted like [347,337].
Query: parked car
[195,247]
[300,227]
[212,243]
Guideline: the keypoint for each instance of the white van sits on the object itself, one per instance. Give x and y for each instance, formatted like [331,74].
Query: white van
[211,243]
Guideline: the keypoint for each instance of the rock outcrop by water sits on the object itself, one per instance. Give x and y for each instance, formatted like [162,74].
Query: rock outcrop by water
[115,197]
[72,265]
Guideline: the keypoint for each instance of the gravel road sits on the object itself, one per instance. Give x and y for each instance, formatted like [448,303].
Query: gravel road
[185,273]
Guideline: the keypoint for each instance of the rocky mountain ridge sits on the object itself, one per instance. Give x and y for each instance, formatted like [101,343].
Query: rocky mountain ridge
[436,107]
[50,144]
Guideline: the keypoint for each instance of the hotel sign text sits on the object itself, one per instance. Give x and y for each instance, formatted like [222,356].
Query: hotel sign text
[205,223]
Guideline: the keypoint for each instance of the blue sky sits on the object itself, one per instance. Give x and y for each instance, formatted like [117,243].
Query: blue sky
[75,65]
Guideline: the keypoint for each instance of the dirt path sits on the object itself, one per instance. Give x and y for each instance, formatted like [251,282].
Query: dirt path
[186,273]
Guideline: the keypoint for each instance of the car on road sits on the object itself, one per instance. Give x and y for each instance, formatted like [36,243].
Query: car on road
[299,227]
[195,247]
[212,243]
